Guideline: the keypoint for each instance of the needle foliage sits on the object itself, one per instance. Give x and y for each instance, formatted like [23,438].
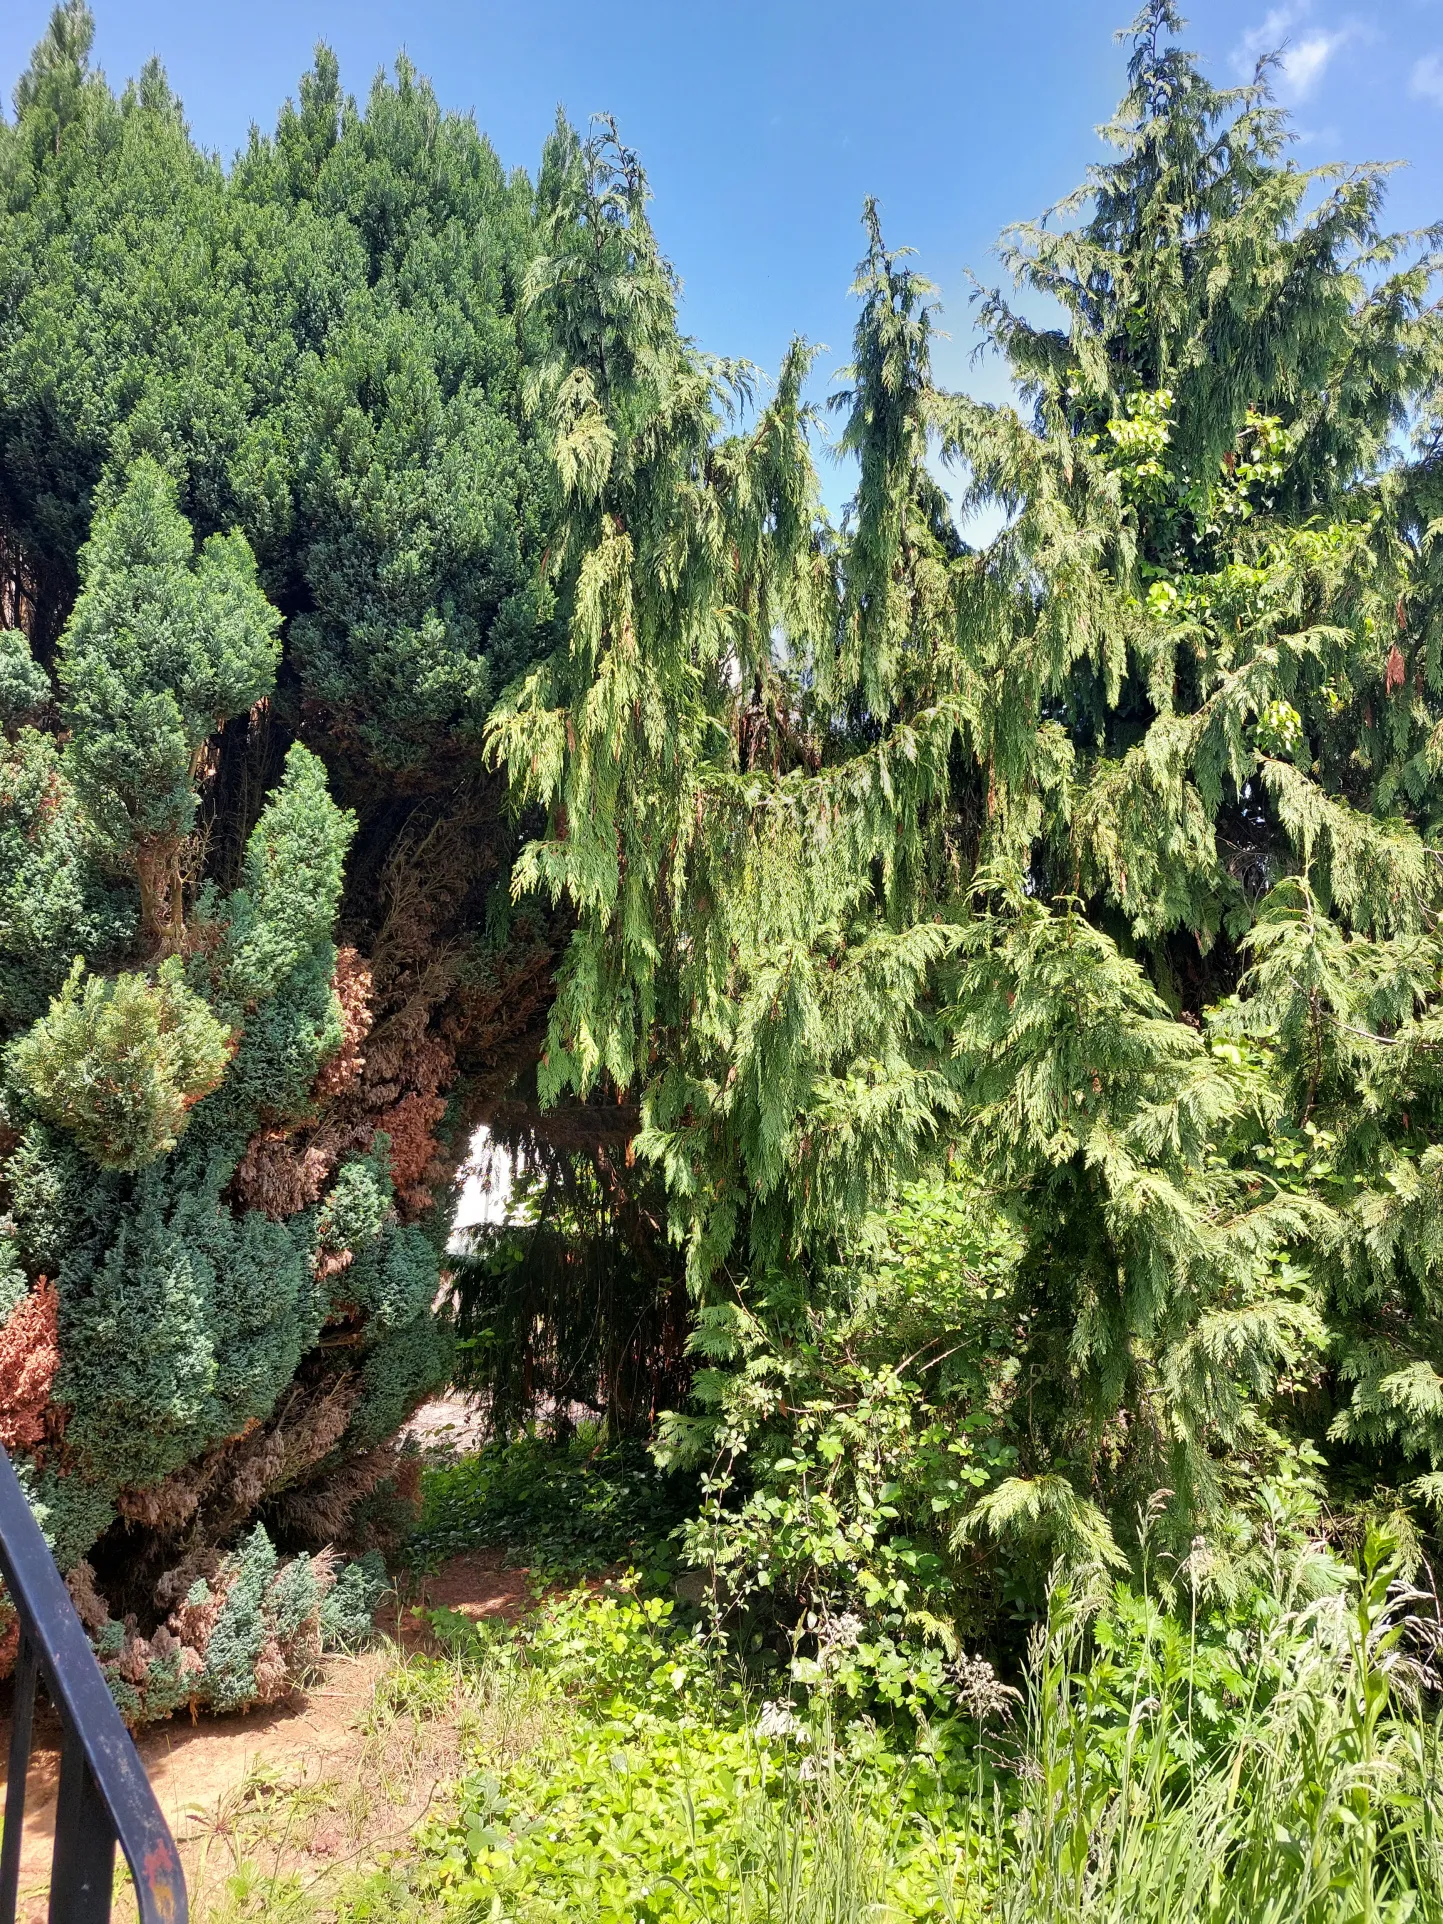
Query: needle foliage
[1101,854]
[270,517]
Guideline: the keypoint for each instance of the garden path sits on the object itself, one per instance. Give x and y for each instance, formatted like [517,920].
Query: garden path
[315,1750]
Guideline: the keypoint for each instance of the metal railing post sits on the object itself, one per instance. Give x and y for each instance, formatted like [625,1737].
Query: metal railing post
[23,1717]
[105,1798]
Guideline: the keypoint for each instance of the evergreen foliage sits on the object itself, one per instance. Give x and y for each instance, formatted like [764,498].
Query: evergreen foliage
[24,687]
[270,517]
[348,1608]
[120,1063]
[249,1632]
[57,899]
[161,651]
[1103,853]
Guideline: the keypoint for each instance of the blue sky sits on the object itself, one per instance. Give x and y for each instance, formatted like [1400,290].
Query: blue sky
[763,123]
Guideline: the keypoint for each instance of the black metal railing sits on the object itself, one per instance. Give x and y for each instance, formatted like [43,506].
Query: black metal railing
[104,1797]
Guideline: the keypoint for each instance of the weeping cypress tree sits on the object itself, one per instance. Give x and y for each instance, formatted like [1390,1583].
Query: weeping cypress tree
[1103,851]
[686,761]
[1251,806]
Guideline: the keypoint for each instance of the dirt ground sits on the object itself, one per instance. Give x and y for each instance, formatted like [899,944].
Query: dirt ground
[323,1744]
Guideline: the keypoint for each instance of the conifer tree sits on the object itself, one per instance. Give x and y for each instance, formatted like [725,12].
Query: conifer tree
[162,650]
[1043,829]
[270,519]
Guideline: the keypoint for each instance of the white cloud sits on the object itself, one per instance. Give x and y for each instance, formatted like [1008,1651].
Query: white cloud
[1427,78]
[1303,63]
[1304,57]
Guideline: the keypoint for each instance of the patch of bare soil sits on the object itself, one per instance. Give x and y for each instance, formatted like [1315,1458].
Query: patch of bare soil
[329,1777]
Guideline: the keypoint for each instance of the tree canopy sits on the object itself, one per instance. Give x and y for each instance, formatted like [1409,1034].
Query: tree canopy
[271,512]
[1102,854]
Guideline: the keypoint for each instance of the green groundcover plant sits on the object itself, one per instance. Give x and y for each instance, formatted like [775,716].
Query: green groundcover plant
[1269,1760]
[565,1510]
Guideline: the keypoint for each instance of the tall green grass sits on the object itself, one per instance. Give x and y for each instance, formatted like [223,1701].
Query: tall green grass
[1320,1804]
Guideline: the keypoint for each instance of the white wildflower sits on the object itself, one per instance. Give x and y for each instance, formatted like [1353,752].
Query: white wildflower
[839,1633]
[778,1720]
[977,1686]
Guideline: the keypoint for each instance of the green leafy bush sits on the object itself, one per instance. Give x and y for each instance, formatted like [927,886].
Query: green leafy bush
[120,1062]
[849,1431]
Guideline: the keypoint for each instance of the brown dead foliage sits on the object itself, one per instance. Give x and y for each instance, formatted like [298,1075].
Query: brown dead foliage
[278,1175]
[226,1485]
[352,984]
[415,1152]
[166,1507]
[29,1358]
[321,1512]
